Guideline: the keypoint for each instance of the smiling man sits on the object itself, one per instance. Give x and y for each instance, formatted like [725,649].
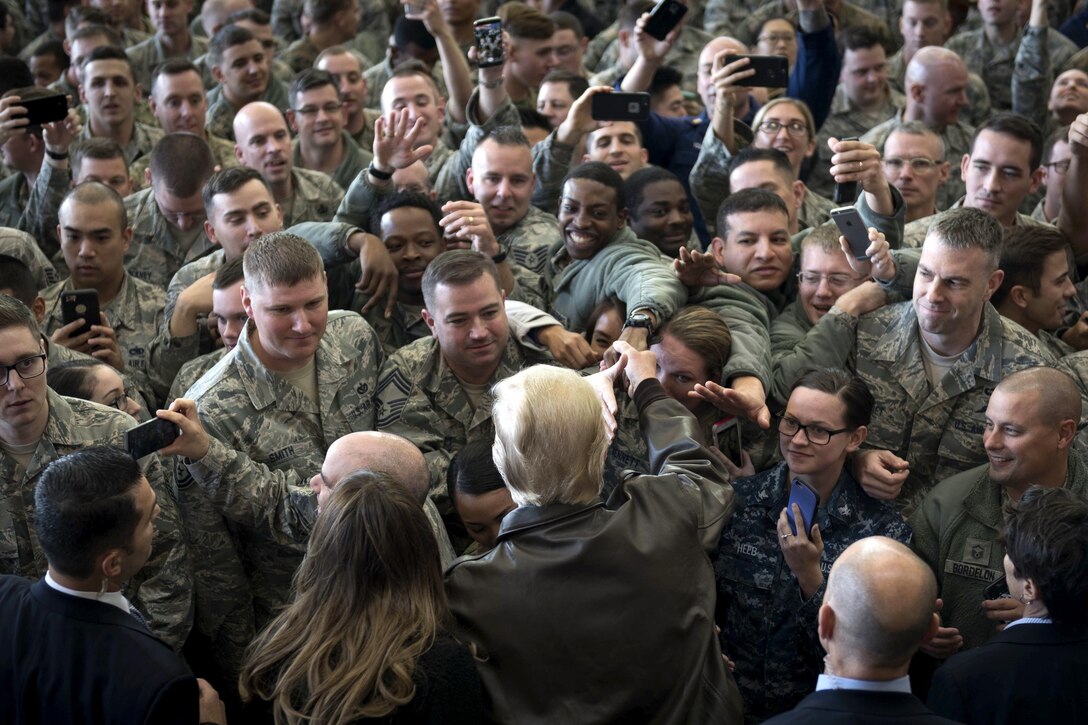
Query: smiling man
[317,116]
[240,66]
[618,144]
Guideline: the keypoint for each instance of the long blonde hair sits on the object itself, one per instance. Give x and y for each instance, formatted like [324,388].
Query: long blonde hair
[369,601]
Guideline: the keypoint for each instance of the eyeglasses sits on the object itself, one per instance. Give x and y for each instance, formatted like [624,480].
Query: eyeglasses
[918,164]
[28,367]
[793,128]
[121,401]
[1060,167]
[837,280]
[328,108]
[816,435]
[777,38]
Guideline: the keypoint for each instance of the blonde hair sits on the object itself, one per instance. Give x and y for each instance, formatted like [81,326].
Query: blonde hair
[550,438]
[368,603]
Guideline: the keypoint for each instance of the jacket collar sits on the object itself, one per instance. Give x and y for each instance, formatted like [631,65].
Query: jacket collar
[86,610]
[524,518]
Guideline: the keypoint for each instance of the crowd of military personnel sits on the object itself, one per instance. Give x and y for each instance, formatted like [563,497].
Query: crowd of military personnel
[318,219]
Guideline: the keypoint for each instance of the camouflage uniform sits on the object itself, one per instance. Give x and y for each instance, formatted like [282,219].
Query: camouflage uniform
[815,210]
[269,438]
[591,59]
[977,109]
[155,255]
[957,142]
[192,371]
[22,246]
[300,54]
[1039,214]
[135,314]
[222,156]
[848,16]
[314,198]
[915,232]
[354,162]
[843,121]
[162,588]
[365,137]
[1018,75]
[219,120]
[959,532]
[684,55]
[767,628]
[144,138]
[420,398]
[34,209]
[150,53]
[939,432]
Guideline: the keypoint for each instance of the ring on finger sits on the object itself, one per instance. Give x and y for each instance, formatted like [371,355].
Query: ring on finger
[471,220]
[786,536]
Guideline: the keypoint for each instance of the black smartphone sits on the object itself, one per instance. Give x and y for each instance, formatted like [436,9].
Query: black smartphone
[727,439]
[807,500]
[489,50]
[846,193]
[664,17]
[149,437]
[849,222]
[997,590]
[620,107]
[46,110]
[80,303]
[771,71]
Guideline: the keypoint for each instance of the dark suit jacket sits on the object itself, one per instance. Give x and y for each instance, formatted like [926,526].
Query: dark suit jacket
[69,660]
[1026,674]
[858,707]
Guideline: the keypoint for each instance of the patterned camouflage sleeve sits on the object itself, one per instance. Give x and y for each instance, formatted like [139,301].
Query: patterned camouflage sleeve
[709,177]
[1032,75]
[331,238]
[361,198]
[551,162]
[830,343]
[748,323]
[39,219]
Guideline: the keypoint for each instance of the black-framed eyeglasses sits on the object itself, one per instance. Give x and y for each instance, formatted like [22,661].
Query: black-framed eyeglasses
[1061,167]
[771,127]
[28,367]
[816,434]
[121,401]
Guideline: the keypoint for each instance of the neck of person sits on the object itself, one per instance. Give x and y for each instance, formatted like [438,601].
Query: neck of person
[25,434]
[472,376]
[121,133]
[325,36]
[1051,208]
[237,102]
[91,585]
[1054,478]
[31,174]
[1012,311]
[920,211]
[272,362]
[949,345]
[822,483]
[283,190]
[409,297]
[356,122]
[1000,34]
[177,44]
[517,90]
[464,33]
[873,105]
[322,158]
[850,666]
[916,112]
[1065,116]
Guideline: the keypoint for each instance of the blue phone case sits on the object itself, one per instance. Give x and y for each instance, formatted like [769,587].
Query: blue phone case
[802,495]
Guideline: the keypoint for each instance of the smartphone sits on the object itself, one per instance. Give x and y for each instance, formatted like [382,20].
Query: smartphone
[726,433]
[997,590]
[664,17]
[489,50]
[149,437]
[80,303]
[620,107]
[849,222]
[807,500]
[846,193]
[771,71]
[46,110]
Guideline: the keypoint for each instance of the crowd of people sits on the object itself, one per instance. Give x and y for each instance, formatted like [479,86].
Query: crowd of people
[489,410]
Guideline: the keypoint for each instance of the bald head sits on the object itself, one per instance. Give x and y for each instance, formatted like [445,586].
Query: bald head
[706,65]
[1055,395]
[879,600]
[382,452]
[256,114]
[931,62]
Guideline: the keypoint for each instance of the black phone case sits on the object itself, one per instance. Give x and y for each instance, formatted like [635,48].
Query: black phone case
[80,303]
[620,107]
[772,71]
[46,110]
[664,17]
[149,437]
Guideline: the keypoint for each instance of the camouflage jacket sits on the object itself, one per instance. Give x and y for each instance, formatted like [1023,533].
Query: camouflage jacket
[219,120]
[269,438]
[915,232]
[365,137]
[150,53]
[144,138]
[155,255]
[354,162]
[959,531]
[162,588]
[977,109]
[34,209]
[22,246]
[420,398]
[192,371]
[135,314]
[767,628]
[314,198]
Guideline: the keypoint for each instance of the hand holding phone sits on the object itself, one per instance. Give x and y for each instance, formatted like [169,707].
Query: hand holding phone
[849,222]
[146,438]
[489,42]
[664,16]
[620,106]
[771,71]
[80,304]
[727,439]
[846,192]
[807,500]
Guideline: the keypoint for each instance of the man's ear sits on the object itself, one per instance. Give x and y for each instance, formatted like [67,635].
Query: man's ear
[247,301]
[429,320]
[1018,295]
[291,120]
[992,284]
[468,181]
[934,625]
[825,624]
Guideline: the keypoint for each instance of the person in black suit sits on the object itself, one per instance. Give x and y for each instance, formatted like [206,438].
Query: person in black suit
[1036,669]
[877,611]
[76,650]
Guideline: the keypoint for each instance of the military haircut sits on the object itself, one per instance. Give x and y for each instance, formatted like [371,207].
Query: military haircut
[523,22]
[280,259]
[307,80]
[665,78]
[1059,134]
[110,52]
[918,128]
[93,193]
[410,199]
[779,160]
[411,68]
[323,11]
[532,118]
[85,505]
[861,37]
[456,268]
[17,280]
[227,37]
[631,11]
[342,50]
[566,21]
[824,237]
[14,313]
[856,398]
[634,189]
[253,15]
[172,67]
[969,228]
[229,274]
[1055,394]
[603,174]
[14,73]
[229,181]
[80,16]
[105,30]
[941,4]
[1024,252]
[747,201]
[102,149]
[576,84]
[705,333]
[406,30]
[507,136]
[54,48]
[181,163]
[1020,128]
[1046,539]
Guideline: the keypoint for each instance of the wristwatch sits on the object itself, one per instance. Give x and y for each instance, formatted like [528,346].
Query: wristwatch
[640,319]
